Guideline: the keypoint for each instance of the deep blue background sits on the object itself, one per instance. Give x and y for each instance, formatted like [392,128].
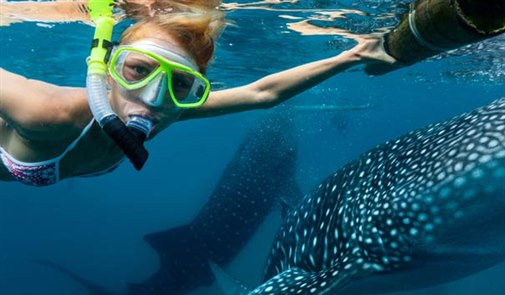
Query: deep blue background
[95,225]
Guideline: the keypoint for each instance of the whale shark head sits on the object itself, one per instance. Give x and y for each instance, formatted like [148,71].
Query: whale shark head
[435,196]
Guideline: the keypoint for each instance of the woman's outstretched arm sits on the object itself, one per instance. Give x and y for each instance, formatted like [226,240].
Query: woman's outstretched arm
[49,11]
[276,88]
[75,10]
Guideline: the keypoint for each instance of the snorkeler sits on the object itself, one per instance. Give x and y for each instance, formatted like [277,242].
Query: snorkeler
[155,75]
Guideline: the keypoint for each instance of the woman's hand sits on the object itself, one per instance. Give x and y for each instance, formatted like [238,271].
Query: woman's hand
[371,52]
[136,9]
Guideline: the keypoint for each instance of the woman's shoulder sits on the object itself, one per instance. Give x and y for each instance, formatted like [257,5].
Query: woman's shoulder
[44,127]
[31,102]
[66,112]
[49,110]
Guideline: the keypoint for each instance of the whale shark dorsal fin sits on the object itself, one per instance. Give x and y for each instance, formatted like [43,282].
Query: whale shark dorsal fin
[286,207]
[292,193]
[291,281]
[292,196]
[228,284]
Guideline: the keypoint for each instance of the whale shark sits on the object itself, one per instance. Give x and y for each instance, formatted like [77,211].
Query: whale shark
[418,211]
[259,178]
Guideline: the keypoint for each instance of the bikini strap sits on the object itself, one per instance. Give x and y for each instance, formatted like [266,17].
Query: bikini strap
[74,143]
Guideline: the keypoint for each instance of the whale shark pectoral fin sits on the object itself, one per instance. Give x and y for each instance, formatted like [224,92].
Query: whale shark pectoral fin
[327,281]
[340,274]
[288,282]
[292,193]
[228,284]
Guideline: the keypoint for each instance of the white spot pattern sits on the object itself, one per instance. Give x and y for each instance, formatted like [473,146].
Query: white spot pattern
[366,216]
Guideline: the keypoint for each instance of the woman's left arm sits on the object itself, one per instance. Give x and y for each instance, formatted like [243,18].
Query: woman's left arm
[276,88]
[49,11]
[70,10]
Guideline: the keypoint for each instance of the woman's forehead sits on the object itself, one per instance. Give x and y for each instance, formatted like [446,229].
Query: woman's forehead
[165,50]
[161,38]
[153,31]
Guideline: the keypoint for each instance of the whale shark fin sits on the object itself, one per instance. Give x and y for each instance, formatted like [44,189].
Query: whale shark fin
[292,196]
[171,240]
[92,288]
[285,208]
[228,284]
[179,253]
[291,281]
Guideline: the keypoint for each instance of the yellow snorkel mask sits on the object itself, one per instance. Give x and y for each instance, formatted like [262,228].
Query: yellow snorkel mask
[150,73]
[130,138]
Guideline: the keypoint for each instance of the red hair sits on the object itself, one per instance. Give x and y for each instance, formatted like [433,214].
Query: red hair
[194,24]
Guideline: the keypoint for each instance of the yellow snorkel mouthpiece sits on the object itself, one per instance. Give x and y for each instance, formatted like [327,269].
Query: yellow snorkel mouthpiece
[100,12]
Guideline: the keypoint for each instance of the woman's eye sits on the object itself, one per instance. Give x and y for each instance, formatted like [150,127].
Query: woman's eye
[181,84]
[136,72]
[141,71]
[183,81]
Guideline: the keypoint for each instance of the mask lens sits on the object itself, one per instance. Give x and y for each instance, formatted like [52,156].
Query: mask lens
[187,88]
[135,67]
[181,84]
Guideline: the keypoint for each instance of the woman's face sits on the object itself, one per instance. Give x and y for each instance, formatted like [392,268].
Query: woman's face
[126,102]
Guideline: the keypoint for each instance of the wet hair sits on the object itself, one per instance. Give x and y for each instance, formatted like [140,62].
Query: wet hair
[194,24]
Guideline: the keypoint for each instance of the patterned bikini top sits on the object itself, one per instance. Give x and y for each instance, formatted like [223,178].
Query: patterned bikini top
[45,172]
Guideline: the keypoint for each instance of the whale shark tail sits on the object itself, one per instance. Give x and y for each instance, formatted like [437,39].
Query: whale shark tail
[183,253]
[92,287]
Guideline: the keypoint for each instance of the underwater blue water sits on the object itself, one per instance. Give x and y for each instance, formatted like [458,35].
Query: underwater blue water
[95,225]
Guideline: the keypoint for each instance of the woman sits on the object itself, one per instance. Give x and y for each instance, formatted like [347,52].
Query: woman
[47,132]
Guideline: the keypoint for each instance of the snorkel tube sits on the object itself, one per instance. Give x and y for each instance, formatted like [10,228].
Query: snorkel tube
[130,138]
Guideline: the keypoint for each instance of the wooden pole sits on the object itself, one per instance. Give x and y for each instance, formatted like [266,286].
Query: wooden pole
[434,26]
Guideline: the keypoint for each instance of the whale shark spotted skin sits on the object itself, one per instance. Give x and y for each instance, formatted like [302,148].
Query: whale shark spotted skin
[418,211]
